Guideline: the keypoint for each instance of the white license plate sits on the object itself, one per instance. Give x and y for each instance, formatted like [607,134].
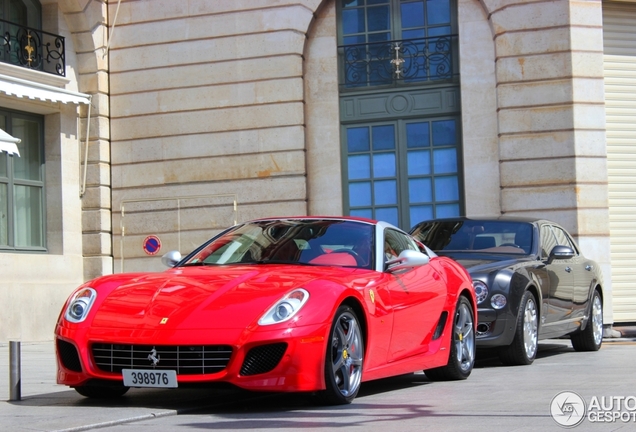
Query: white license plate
[150,378]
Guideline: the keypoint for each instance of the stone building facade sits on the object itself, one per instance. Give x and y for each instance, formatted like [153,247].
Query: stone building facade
[208,112]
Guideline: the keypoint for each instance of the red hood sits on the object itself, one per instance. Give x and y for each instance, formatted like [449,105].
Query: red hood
[200,297]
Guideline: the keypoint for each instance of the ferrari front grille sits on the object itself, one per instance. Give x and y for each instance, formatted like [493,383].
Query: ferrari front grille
[68,356]
[263,358]
[185,359]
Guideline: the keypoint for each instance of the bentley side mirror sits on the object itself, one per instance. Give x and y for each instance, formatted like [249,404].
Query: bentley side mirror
[407,259]
[560,252]
[171,258]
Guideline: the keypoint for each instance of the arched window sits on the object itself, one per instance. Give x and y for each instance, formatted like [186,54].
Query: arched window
[400,109]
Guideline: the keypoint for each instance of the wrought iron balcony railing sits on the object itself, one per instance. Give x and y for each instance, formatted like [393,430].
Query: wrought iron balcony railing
[32,48]
[398,62]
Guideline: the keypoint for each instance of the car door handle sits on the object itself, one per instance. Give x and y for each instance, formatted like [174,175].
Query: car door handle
[568,269]
[588,267]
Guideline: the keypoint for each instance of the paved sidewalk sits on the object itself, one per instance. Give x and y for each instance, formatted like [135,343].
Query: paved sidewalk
[46,406]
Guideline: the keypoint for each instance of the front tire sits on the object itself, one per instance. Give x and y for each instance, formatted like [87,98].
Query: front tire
[462,353]
[523,349]
[343,359]
[102,392]
[591,338]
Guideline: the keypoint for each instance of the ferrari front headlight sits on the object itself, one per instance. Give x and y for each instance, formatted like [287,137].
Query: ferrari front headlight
[285,308]
[80,304]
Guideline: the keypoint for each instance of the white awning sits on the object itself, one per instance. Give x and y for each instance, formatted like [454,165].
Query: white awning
[8,143]
[31,90]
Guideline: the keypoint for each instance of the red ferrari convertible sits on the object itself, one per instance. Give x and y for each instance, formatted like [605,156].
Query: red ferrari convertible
[299,304]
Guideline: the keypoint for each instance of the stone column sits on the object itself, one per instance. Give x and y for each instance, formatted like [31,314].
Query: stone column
[88,23]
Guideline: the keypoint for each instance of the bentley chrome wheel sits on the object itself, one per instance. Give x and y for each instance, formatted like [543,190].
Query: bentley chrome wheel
[530,328]
[597,319]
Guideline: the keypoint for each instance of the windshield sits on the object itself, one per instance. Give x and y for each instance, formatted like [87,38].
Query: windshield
[292,241]
[484,236]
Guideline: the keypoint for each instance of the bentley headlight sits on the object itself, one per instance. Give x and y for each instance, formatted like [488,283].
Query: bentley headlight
[80,304]
[285,308]
[498,301]
[481,291]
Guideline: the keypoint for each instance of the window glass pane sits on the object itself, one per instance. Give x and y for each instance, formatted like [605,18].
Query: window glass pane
[420,213]
[419,162]
[379,37]
[385,192]
[352,3]
[4,216]
[420,190]
[447,210]
[352,40]
[446,189]
[444,132]
[383,137]
[439,31]
[360,194]
[17,12]
[28,216]
[389,215]
[562,238]
[352,21]
[445,161]
[417,135]
[379,18]
[438,11]
[414,34]
[358,139]
[3,164]
[27,166]
[366,213]
[412,14]
[384,165]
[374,2]
[548,241]
[359,167]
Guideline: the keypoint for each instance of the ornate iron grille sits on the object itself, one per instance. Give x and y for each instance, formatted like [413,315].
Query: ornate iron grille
[32,48]
[186,360]
[398,62]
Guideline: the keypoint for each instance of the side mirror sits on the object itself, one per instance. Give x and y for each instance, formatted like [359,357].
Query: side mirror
[171,258]
[560,252]
[407,259]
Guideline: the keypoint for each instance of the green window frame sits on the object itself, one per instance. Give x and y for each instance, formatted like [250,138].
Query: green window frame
[403,171]
[22,185]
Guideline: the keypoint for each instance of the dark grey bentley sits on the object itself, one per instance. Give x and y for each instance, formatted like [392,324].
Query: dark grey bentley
[531,281]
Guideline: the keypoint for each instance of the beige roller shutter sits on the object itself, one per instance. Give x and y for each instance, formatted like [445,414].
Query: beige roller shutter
[619,38]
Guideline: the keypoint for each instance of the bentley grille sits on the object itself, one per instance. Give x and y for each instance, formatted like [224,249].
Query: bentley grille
[186,360]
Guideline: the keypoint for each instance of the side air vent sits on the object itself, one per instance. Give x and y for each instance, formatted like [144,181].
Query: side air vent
[262,359]
[69,356]
[440,325]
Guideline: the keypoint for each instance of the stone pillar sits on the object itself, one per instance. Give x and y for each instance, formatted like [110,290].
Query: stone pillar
[88,23]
